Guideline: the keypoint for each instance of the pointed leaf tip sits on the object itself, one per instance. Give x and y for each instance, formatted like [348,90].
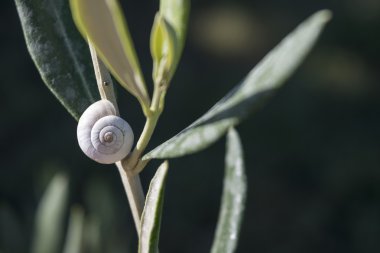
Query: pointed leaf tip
[163,47]
[176,14]
[250,94]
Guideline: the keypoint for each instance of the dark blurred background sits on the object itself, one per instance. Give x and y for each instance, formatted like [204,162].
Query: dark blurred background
[312,152]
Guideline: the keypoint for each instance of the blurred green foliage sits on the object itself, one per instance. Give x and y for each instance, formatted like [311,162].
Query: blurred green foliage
[312,153]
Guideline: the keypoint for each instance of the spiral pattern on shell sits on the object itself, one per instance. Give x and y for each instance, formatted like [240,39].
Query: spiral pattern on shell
[103,136]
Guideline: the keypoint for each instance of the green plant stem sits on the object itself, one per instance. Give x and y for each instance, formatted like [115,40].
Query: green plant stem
[158,98]
[133,160]
[130,166]
[131,181]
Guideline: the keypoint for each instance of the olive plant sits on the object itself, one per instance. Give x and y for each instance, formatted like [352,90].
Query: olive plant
[66,39]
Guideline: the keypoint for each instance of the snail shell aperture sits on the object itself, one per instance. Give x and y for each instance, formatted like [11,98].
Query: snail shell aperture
[103,136]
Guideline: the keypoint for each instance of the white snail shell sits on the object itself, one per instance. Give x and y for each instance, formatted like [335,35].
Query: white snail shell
[103,136]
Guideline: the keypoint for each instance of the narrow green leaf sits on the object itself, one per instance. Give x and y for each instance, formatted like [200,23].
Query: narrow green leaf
[104,24]
[74,235]
[163,49]
[59,53]
[157,40]
[50,215]
[233,198]
[176,14]
[261,82]
[151,216]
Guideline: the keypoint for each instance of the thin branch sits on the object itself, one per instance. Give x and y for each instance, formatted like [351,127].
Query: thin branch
[130,180]
[103,78]
[133,161]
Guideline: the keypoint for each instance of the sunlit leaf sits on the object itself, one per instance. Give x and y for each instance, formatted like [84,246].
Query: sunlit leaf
[60,54]
[176,14]
[49,227]
[104,24]
[260,83]
[151,216]
[163,49]
[233,198]
[74,235]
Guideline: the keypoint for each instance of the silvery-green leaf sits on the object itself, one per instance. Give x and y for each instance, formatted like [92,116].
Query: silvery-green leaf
[104,24]
[74,235]
[233,198]
[49,227]
[151,216]
[62,57]
[176,13]
[260,83]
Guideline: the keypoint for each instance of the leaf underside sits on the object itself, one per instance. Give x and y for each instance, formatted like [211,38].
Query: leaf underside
[104,24]
[60,54]
[151,216]
[233,197]
[259,84]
